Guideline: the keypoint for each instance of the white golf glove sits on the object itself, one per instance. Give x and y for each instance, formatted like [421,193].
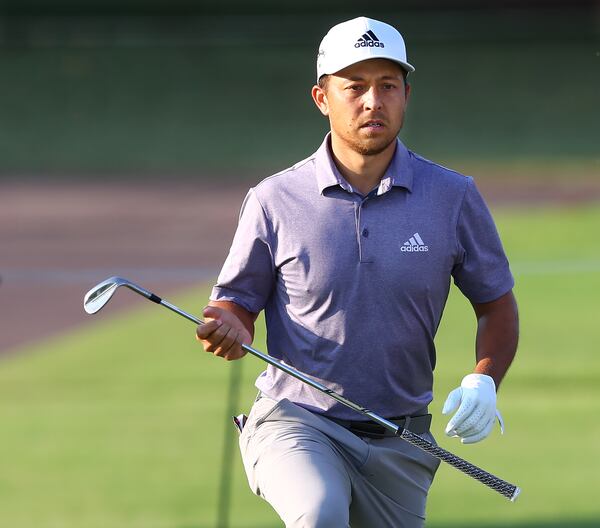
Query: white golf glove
[477,413]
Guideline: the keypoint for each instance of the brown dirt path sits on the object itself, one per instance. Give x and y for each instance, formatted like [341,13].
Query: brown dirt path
[59,240]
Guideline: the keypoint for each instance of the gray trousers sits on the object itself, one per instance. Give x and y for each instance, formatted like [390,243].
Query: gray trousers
[317,474]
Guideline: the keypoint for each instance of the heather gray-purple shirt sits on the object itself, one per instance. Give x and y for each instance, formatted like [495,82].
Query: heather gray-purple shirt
[354,286]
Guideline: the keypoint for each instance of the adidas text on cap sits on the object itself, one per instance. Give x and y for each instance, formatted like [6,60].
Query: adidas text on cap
[357,40]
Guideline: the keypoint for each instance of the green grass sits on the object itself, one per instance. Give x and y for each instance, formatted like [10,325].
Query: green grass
[120,424]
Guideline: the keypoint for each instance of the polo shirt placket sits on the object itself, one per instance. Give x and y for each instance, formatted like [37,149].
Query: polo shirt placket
[363,206]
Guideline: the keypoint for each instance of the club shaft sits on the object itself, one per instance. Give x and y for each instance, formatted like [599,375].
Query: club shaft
[510,491]
[320,387]
[155,298]
[174,308]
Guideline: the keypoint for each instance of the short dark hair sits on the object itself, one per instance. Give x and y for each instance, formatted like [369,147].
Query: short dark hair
[323,82]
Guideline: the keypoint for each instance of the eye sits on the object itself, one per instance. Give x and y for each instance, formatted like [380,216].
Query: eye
[389,86]
[355,87]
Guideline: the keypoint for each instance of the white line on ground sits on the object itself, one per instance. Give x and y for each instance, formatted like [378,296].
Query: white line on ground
[556,267]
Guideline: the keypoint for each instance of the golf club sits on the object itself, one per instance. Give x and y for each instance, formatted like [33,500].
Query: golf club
[98,296]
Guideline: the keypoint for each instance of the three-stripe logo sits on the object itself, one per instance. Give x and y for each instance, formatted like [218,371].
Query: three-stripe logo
[413,244]
[369,40]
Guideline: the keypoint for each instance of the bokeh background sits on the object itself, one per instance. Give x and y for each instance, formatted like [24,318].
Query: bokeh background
[152,87]
[129,134]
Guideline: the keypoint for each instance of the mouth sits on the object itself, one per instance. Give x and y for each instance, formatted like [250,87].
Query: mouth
[373,124]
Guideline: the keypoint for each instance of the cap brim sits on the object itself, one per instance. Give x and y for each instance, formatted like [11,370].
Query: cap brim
[409,68]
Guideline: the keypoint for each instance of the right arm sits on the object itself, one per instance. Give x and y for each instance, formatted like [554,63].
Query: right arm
[227,327]
[243,286]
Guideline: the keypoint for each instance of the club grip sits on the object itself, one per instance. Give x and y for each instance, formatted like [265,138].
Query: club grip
[510,491]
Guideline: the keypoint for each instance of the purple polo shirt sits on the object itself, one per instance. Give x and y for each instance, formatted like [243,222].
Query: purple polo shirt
[353,286]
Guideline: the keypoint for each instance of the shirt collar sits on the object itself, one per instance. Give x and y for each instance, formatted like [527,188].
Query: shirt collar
[398,174]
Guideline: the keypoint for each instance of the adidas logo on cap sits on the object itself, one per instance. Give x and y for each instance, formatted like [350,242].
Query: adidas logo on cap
[369,40]
[414,244]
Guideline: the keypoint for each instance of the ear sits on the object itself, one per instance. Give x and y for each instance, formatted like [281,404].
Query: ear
[320,98]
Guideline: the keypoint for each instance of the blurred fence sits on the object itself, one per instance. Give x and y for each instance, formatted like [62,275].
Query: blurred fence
[185,93]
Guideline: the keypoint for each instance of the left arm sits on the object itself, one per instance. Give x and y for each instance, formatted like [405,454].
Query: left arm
[497,336]
[482,272]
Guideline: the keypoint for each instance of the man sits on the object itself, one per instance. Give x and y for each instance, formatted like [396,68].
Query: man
[351,253]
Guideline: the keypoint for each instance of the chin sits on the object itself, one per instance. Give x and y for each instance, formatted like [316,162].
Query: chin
[372,147]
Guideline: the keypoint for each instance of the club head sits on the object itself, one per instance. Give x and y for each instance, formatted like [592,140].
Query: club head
[99,295]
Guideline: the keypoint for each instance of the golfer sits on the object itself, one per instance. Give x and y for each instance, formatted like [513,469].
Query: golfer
[351,253]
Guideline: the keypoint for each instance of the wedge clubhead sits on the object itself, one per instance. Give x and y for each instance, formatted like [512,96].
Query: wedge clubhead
[98,296]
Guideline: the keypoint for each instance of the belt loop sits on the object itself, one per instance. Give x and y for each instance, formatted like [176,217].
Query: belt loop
[406,422]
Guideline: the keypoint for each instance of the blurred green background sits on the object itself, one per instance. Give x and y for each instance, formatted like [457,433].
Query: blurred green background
[186,87]
[121,422]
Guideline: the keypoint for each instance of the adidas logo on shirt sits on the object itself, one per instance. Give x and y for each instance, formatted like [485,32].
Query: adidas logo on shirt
[369,40]
[413,244]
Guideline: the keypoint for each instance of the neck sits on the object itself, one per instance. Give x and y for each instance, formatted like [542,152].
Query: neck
[362,172]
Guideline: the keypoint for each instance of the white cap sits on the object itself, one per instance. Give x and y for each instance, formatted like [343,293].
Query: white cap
[357,40]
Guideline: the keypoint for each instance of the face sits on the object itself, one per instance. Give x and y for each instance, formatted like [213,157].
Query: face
[365,104]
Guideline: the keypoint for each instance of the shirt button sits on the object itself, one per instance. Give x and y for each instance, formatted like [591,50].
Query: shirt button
[365,232]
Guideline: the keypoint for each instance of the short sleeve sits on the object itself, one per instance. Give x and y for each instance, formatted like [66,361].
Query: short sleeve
[481,272]
[248,274]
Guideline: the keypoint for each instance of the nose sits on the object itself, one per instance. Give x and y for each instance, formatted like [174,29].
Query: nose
[372,99]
